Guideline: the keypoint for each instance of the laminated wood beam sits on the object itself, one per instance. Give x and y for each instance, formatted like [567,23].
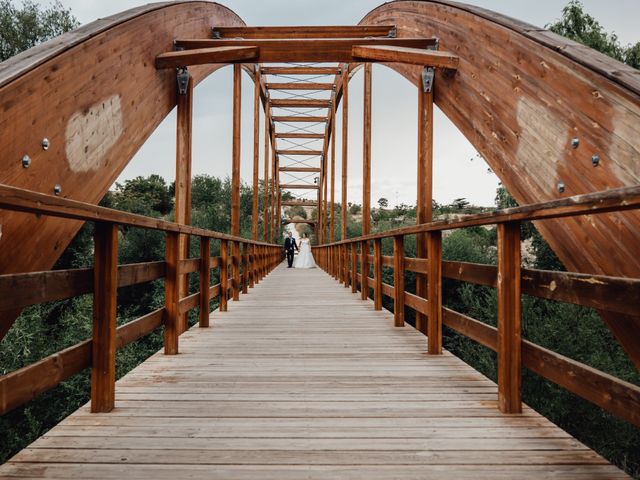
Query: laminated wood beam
[300,135]
[304,203]
[203,56]
[301,70]
[300,169]
[299,152]
[300,103]
[414,56]
[299,119]
[305,49]
[312,222]
[299,186]
[304,31]
[299,86]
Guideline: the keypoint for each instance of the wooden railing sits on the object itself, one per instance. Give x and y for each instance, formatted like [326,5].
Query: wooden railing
[349,262]
[251,262]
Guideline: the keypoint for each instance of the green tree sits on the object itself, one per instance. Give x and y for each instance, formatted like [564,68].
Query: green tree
[581,27]
[24,27]
[383,202]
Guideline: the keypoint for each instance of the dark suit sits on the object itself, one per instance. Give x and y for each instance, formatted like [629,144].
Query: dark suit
[289,247]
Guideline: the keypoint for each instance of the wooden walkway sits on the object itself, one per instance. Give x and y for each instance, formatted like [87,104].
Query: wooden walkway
[302,379]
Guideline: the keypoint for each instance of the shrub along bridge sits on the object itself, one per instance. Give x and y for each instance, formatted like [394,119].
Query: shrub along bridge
[302,377]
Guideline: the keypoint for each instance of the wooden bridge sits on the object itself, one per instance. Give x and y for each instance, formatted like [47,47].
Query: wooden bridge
[302,379]
[302,373]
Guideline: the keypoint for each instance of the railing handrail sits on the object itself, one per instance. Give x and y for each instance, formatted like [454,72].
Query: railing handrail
[248,262]
[613,200]
[19,199]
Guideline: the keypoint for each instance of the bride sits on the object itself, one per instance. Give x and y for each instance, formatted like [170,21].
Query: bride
[305,257]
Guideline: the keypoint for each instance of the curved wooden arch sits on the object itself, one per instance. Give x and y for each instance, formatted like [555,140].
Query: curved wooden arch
[97,89]
[520,95]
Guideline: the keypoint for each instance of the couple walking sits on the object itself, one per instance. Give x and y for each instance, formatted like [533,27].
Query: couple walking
[305,257]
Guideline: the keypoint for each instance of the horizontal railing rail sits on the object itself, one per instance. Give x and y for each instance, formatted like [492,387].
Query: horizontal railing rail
[350,262]
[241,263]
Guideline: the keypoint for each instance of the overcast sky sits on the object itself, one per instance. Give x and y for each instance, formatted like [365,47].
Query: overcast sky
[458,172]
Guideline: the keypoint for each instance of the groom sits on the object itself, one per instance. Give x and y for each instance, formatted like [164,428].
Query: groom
[289,247]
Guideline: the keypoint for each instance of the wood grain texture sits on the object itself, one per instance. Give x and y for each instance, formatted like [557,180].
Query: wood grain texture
[306,31]
[256,398]
[413,56]
[504,99]
[204,56]
[509,319]
[304,49]
[80,73]
[103,343]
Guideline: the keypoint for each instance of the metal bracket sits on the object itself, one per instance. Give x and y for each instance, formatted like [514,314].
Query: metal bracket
[393,33]
[176,48]
[435,46]
[428,77]
[215,34]
[183,80]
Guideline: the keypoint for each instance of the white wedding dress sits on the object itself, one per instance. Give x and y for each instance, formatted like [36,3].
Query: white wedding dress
[305,257]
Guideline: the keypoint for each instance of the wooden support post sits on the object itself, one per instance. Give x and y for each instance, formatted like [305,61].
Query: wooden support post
[103,345]
[235,271]
[345,256]
[398,281]
[235,154]
[332,208]
[424,212]
[274,176]
[509,328]
[171,294]
[364,270]
[434,292]
[366,151]
[205,281]
[245,268]
[345,151]
[256,155]
[377,273]
[354,268]
[254,278]
[224,274]
[266,224]
[184,130]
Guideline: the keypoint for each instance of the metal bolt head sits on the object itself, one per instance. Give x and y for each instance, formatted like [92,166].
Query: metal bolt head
[575,143]
[561,187]
[26,161]
[45,144]
[595,160]
[57,189]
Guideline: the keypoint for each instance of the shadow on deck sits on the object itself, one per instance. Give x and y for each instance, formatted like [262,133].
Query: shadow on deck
[303,379]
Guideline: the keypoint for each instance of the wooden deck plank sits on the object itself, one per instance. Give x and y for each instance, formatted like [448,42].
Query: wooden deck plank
[301,378]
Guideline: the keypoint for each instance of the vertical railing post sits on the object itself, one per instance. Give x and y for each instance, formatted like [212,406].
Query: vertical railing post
[345,255]
[377,273]
[171,294]
[235,271]
[364,270]
[103,346]
[434,292]
[509,327]
[354,268]
[251,265]
[205,280]
[340,260]
[245,268]
[224,274]
[398,281]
